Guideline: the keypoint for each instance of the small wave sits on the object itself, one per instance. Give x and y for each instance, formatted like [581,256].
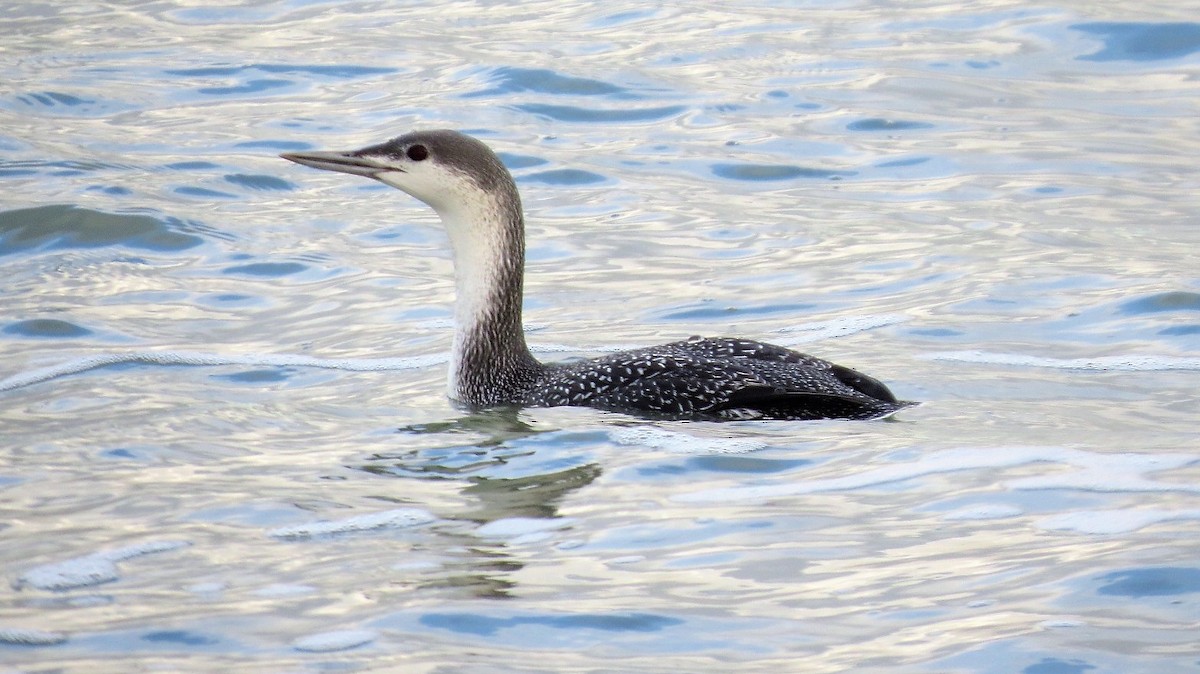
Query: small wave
[1114,521]
[768,172]
[192,358]
[881,124]
[565,177]
[70,227]
[19,636]
[984,511]
[511,80]
[1112,363]
[576,114]
[1123,472]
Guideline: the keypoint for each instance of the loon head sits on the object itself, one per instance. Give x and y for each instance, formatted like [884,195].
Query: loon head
[448,170]
[477,200]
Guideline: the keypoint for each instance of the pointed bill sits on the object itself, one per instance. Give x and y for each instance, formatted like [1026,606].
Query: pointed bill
[342,162]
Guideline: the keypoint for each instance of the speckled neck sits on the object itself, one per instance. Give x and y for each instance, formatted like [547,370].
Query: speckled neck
[490,362]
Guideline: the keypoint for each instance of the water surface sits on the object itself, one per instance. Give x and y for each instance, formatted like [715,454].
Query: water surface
[224,437]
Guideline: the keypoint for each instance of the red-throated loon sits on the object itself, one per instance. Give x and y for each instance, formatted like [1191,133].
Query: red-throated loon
[477,200]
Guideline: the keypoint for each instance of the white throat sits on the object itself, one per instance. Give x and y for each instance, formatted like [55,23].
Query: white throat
[482,269]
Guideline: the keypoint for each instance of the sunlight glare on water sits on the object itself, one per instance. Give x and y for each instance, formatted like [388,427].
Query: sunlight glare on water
[224,436]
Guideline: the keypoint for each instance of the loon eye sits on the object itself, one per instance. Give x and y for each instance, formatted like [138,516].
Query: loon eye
[417,152]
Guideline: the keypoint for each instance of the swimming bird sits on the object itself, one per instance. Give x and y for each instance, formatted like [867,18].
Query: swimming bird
[491,366]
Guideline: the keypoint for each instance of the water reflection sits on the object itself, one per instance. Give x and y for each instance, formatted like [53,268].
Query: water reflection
[479,574]
[530,496]
[500,462]
[490,431]
[500,425]
[512,474]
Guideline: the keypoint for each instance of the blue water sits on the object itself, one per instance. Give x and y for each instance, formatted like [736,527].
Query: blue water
[224,436]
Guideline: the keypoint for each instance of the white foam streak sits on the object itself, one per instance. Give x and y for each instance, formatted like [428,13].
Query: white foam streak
[398,518]
[94,569]
[339,640]
[837,327]
[684,443]
[520,527]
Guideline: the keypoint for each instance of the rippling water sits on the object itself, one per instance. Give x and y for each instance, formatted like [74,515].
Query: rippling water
[224,437]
